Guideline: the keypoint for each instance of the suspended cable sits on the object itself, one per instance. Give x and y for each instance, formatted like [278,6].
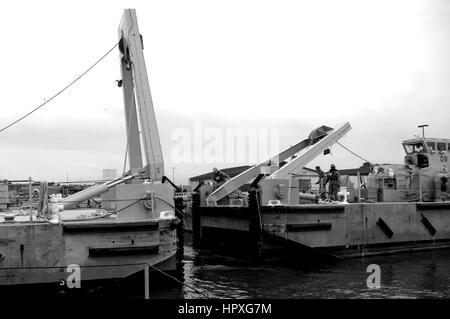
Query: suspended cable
[58,93]
[353,153]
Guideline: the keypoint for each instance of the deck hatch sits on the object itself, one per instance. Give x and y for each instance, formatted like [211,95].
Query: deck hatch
[122,250]
[109,227]
[317,209]
[433,206]
[308,227]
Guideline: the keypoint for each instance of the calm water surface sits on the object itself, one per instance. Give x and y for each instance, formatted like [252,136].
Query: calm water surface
[408,275]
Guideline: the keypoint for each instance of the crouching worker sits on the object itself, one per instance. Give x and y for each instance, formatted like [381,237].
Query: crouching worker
[219,178]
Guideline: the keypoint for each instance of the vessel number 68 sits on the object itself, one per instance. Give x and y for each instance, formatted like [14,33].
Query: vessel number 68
[443,158]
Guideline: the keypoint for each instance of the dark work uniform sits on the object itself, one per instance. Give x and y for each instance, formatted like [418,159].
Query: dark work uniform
[335,183]
[322,181]
[444,184]
[220,177]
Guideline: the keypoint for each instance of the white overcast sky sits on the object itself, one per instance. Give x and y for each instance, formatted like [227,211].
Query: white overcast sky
[291,65]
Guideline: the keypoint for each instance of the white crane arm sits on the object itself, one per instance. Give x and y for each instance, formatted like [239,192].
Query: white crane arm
[312,153]
[137,88]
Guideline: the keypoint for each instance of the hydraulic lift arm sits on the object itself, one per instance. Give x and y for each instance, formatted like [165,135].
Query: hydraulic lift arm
[90,192]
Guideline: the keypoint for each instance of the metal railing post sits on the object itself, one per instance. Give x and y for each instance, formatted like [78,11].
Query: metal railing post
[30,197]
[147,281]
[420,187]
[358,175]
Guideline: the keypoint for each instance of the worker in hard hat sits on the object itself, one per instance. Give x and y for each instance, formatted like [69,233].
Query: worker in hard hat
[322,182]
[334,178]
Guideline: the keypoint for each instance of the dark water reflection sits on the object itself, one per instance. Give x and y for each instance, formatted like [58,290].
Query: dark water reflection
[409,275]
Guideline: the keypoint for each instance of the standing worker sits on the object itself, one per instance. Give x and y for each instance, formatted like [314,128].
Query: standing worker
[322,181]
[444,181]
[335,182]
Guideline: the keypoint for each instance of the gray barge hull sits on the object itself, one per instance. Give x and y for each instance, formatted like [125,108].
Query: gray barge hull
[39,253]
[339,230]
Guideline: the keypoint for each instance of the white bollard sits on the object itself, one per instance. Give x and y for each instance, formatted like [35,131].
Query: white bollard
[55,207]
[344,194]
